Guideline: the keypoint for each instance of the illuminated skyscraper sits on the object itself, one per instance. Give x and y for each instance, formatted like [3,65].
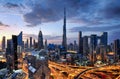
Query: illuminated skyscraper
[19,39]
[30,42]
[64,41]
[40,40]
[3,43]
[104,39]
[117,48]
[80,41]
[85,45]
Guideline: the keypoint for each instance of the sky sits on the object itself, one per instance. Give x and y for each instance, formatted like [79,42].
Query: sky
[31,16]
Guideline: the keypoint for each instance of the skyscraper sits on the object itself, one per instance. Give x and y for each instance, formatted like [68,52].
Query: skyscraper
[30,42]
[15,43]
[64,41]
[26,43]
[80,41]
[117,48]
[104,39]
[3,43]
[93,43]
[45,47]
[85,45]
[40,40]
[19,39]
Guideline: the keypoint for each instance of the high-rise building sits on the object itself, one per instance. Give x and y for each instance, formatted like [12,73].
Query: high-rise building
[40,41]
[15,43]
[85,45]
[30,42]
[19,39]
[3,43]
[26,43]
[9,49]
[104,39]
[80,41]
[75,46]
[45,47]
[93,43]
[64,40]
[117,48]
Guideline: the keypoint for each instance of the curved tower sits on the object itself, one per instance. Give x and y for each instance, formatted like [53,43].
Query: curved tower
[40,40]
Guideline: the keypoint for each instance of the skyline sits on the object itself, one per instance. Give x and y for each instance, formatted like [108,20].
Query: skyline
[91,17]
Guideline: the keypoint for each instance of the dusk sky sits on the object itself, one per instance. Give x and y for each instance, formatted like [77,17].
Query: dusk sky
[89,16]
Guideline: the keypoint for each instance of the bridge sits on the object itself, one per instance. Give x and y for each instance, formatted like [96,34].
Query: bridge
[61,71]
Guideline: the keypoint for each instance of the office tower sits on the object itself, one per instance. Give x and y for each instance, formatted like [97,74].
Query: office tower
[85,46]
[104,39]
[71,47]
[34,43]
[93,43]
[40,41]
[45,47]
[75,46]
[27,43]
[19,39]
[80,41]
[64,40]
[9,55]
[3,43]
[15,43]
[30,42]
[117,48]
[9,49]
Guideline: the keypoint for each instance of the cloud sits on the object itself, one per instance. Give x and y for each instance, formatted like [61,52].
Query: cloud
[50,11]
[95,28]
[3,25]
[13,5]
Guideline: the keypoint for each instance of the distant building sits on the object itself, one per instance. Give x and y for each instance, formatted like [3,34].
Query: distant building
[15,43]
[85,45]
[19,39]
[3,43]
[80,41]
[45,47]
[9,49]
[117,48]
[40,41]
[30,42]
[64,39]
[26,45]
[104,39]
[93,43]
[75,46]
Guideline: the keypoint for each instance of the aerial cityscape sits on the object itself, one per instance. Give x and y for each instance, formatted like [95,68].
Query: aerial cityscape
[59,39]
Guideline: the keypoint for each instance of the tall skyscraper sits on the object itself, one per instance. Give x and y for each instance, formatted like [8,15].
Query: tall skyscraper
[15,43]
[93,43]
[30,42]
[45,47]
[19,39]
[117,48]
[26,43]
[40,40]
[104,39]
[9,49]
[3,43]
[64,41]
[85,45]
[80,41]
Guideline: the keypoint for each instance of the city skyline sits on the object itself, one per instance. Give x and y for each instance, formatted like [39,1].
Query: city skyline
[29,16]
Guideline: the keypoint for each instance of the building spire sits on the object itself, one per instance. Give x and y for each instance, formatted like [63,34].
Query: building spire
[64,42]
